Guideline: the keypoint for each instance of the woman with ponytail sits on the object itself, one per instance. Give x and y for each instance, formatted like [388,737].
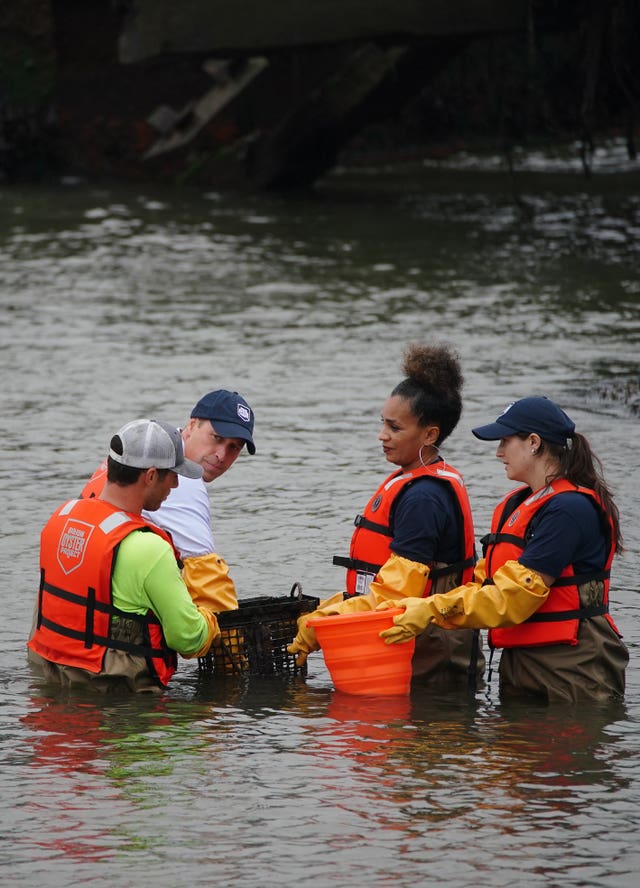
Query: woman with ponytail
[415,535]
[542,587]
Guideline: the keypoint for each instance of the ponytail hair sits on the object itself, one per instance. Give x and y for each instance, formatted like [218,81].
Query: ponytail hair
[579,464]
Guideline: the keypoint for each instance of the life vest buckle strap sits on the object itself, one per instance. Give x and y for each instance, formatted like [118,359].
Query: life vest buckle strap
[73,598]
[492,539]
[357,565]
[580,579]
[365,524]
[59,629]
[459,566]
[91,609]
[582,613]
[40,591]
[140,650]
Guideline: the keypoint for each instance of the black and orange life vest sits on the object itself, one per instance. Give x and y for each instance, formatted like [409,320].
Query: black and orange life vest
[371,540]
[75,603]
[558,619]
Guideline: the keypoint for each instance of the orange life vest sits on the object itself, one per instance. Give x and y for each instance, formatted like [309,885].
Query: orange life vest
[75,603]
[96,482]
[371,540]
[558,619]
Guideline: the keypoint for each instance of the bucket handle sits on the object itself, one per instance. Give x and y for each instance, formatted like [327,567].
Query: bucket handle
[296,591]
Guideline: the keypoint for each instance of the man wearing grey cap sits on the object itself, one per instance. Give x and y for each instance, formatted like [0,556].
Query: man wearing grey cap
[113,609]
[220,426]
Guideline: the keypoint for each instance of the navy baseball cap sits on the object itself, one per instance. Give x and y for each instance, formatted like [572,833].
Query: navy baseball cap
[536,414]
[229,414]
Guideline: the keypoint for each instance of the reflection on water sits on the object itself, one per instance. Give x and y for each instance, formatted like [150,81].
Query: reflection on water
[117,304]
[277,769]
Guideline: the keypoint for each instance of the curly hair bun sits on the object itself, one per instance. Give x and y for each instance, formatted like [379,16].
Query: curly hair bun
[433,366]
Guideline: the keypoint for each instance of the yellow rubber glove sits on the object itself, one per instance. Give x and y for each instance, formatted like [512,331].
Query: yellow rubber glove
[413,581]
[305,641]
[213,634]
[480,571]
[397,578]
[209,584]
[514,594]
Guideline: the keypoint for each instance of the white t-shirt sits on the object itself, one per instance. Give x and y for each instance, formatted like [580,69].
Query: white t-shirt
[186,515]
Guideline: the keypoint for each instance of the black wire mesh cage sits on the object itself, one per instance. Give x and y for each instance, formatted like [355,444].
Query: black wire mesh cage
[254,637]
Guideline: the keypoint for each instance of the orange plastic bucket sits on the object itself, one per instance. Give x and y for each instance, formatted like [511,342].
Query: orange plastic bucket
[358,660]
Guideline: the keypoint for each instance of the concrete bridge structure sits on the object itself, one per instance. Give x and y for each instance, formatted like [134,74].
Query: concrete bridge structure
[239,27]
[255,93]
[293,80]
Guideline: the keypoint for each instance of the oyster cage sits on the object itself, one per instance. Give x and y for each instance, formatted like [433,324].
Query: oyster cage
[254,637]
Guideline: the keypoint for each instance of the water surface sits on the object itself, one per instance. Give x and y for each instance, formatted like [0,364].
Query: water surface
[119,302]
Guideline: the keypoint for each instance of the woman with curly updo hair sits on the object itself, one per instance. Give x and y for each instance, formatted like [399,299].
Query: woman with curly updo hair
[415,535]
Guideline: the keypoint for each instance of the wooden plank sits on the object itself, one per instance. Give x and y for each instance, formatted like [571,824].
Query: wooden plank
[183,126]
[242,27]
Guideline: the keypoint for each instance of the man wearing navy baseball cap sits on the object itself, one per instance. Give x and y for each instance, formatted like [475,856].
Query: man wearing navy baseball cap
[229,413]
[218,430]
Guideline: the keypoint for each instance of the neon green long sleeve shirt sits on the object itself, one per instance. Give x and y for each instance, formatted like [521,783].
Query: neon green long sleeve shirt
[146,576]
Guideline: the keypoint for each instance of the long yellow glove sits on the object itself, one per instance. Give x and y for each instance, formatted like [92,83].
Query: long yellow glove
[209,584]
[514,594]
[397,578]
[213,634]
[212,591]
[305,641]
[480,571]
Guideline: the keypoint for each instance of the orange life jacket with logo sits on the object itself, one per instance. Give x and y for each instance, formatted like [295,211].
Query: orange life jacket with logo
[75,604]
[558,619]
[371,540]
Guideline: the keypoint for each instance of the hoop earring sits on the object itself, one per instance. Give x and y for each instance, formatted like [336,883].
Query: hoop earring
[422,462]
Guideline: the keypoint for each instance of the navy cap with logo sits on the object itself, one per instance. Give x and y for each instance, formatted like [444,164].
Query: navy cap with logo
[229,414]
[536,414]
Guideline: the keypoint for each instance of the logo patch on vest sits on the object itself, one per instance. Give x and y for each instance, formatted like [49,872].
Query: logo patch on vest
[376,503]
[512,520]
[73,544]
